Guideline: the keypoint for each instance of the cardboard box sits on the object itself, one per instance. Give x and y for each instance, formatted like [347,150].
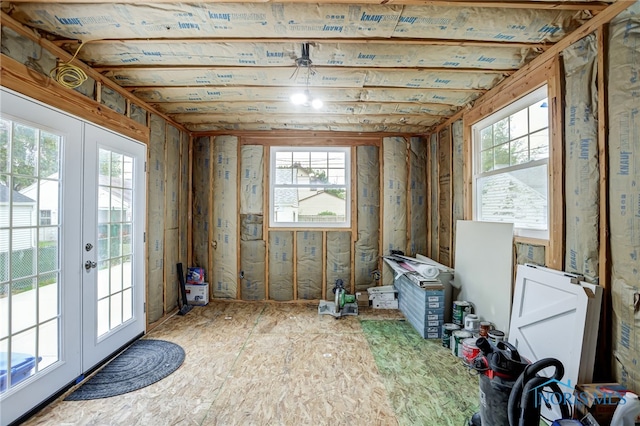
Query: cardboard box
[197,294]
[363,299]
[598,399]
[195,275]
[384,304]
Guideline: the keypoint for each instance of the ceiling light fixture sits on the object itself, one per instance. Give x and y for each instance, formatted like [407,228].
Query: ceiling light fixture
[304,98]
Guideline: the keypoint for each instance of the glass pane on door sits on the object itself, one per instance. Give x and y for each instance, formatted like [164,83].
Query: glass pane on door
[29,251]
[115,221]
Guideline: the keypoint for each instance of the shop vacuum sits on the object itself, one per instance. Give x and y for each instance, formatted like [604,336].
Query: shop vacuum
[508,382]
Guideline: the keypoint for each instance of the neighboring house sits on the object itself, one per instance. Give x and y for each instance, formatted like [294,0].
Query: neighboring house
[506,198]
[24,210]
[312,203]
[304,204]
[48,210]
[285,200]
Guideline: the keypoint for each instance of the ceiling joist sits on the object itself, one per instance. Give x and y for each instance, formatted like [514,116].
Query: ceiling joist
[74,44]
[594,6]
[195,68]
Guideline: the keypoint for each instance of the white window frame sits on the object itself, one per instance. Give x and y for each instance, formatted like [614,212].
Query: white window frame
[347,186]
[523,102]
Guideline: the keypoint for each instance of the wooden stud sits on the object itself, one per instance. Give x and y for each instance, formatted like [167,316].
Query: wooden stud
[467,171]
[266,212]
[605,339]
[294,260]
[324,265]
[451,223]
[429,171]
[146,232]
[436,235]
[353,189]
[407,161]
[603,156]
[555,258]
[212,244]
[238,219]
[190,207]
[381,218]
[164,228]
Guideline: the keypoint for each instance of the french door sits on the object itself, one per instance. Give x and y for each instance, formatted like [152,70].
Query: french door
[112,243]
[72,202]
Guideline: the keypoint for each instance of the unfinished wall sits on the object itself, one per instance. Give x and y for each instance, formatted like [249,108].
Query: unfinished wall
[309,264]
[417,196]
[184,199]
[434,214]
[394,196]
[302,264]
[281,265]
[444,197]
[165,229]
[581,173]
[338,259]
[224,257]
[529,253]
[367,253]
[252,244]
[624,192]
[156,219]
[457,181]
[201,185]
[171,215]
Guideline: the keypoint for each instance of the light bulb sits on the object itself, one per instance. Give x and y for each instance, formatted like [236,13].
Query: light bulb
[298,98]
[317,103]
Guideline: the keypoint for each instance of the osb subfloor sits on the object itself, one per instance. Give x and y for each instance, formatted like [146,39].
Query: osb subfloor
[283,364]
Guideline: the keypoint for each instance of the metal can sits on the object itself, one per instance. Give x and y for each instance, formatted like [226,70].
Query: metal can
[456,341]
[469,350]
[460,309]
[496,336]
[485,328]
[447,329]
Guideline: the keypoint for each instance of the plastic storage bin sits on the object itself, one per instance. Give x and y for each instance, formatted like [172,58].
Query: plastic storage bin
[21,366]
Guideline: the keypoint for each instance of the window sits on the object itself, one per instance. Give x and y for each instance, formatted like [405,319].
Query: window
[45,217]
[511,160]
[309,187]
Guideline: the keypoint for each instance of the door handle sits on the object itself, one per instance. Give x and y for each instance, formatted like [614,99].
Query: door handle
[89,264]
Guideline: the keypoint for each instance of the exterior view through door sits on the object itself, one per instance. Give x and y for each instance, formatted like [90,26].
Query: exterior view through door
[72,206]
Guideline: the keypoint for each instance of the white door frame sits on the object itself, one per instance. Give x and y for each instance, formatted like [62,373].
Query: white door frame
[28,394]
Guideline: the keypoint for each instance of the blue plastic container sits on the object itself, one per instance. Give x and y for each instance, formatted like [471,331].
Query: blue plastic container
[21,366]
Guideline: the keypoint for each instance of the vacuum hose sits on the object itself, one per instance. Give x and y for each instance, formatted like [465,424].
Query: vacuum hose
[524,402]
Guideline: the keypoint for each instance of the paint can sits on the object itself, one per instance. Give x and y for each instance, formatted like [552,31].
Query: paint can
[460,309]
[485,328]
[496,336]
[471,322]
[447,329]
[456,341]
[469,350]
